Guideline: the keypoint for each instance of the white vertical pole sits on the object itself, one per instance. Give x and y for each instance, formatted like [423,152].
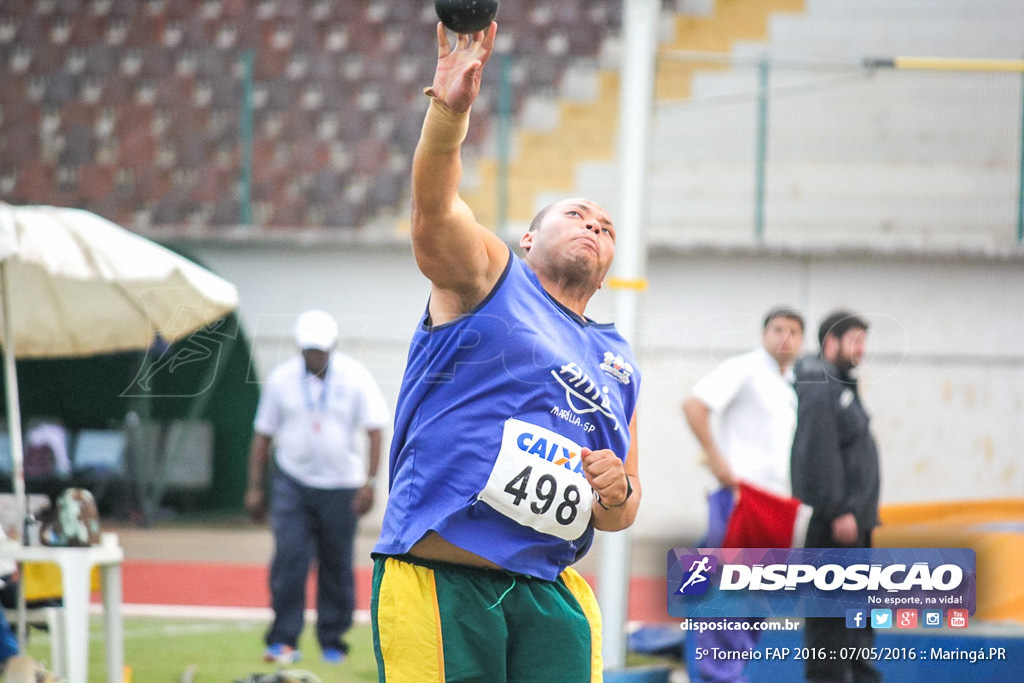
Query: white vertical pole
[13,403]
[636,93]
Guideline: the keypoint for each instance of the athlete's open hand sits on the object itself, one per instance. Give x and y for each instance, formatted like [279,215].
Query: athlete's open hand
[459,69]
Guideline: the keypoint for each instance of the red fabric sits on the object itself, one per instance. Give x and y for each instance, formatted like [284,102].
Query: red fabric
[761,519]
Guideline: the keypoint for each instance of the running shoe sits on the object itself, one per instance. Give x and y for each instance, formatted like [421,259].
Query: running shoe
[281,654]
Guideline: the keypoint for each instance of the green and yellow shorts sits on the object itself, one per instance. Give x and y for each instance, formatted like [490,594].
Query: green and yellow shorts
[444,623]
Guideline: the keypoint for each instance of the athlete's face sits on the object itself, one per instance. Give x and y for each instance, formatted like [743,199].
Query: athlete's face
[575,239]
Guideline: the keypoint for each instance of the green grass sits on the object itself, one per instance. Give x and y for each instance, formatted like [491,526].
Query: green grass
[160,650]
[222,650]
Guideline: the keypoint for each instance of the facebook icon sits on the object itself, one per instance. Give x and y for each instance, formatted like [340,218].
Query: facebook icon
[856,618]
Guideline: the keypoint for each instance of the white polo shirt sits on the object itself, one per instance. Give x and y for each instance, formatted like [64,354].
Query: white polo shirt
[753,417]
[316,423]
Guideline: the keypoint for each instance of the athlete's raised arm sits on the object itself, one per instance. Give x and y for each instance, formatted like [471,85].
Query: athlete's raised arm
[459,256]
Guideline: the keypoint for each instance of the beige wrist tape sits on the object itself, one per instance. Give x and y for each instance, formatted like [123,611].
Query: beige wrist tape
[443,129]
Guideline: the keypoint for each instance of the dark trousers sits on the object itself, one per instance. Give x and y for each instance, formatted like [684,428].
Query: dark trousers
[710,669]
[308,524]
[832,634]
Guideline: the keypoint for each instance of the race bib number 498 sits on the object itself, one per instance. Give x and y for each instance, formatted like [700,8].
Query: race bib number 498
[537,481]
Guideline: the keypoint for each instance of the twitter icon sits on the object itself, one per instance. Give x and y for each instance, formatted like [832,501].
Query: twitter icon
[881,618]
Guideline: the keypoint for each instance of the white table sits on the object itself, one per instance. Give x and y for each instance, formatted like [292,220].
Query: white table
[76,569]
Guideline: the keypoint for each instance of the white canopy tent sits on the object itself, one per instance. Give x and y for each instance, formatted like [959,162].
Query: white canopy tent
[74,284]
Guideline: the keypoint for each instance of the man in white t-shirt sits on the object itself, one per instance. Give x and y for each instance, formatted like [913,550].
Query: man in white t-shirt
[312,410]
[743,413]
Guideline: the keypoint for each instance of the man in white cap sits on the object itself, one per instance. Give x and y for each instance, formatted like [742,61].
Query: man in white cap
[311,411]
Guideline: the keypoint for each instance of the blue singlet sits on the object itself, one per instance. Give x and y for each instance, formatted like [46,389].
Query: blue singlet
[523,376]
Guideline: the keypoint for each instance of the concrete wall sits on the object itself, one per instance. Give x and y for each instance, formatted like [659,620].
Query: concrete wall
[944,377]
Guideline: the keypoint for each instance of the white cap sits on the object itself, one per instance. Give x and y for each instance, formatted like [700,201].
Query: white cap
[316,330]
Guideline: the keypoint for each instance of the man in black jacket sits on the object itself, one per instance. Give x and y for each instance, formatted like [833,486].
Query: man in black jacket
[835,469]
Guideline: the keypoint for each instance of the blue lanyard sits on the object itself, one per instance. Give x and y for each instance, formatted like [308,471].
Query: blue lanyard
[321,405]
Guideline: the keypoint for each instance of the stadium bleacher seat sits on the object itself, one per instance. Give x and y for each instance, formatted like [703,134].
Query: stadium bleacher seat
[225,212]
[104,104]
[79,145]
[95,182]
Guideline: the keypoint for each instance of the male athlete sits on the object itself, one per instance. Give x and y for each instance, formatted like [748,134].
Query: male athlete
[515,432]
